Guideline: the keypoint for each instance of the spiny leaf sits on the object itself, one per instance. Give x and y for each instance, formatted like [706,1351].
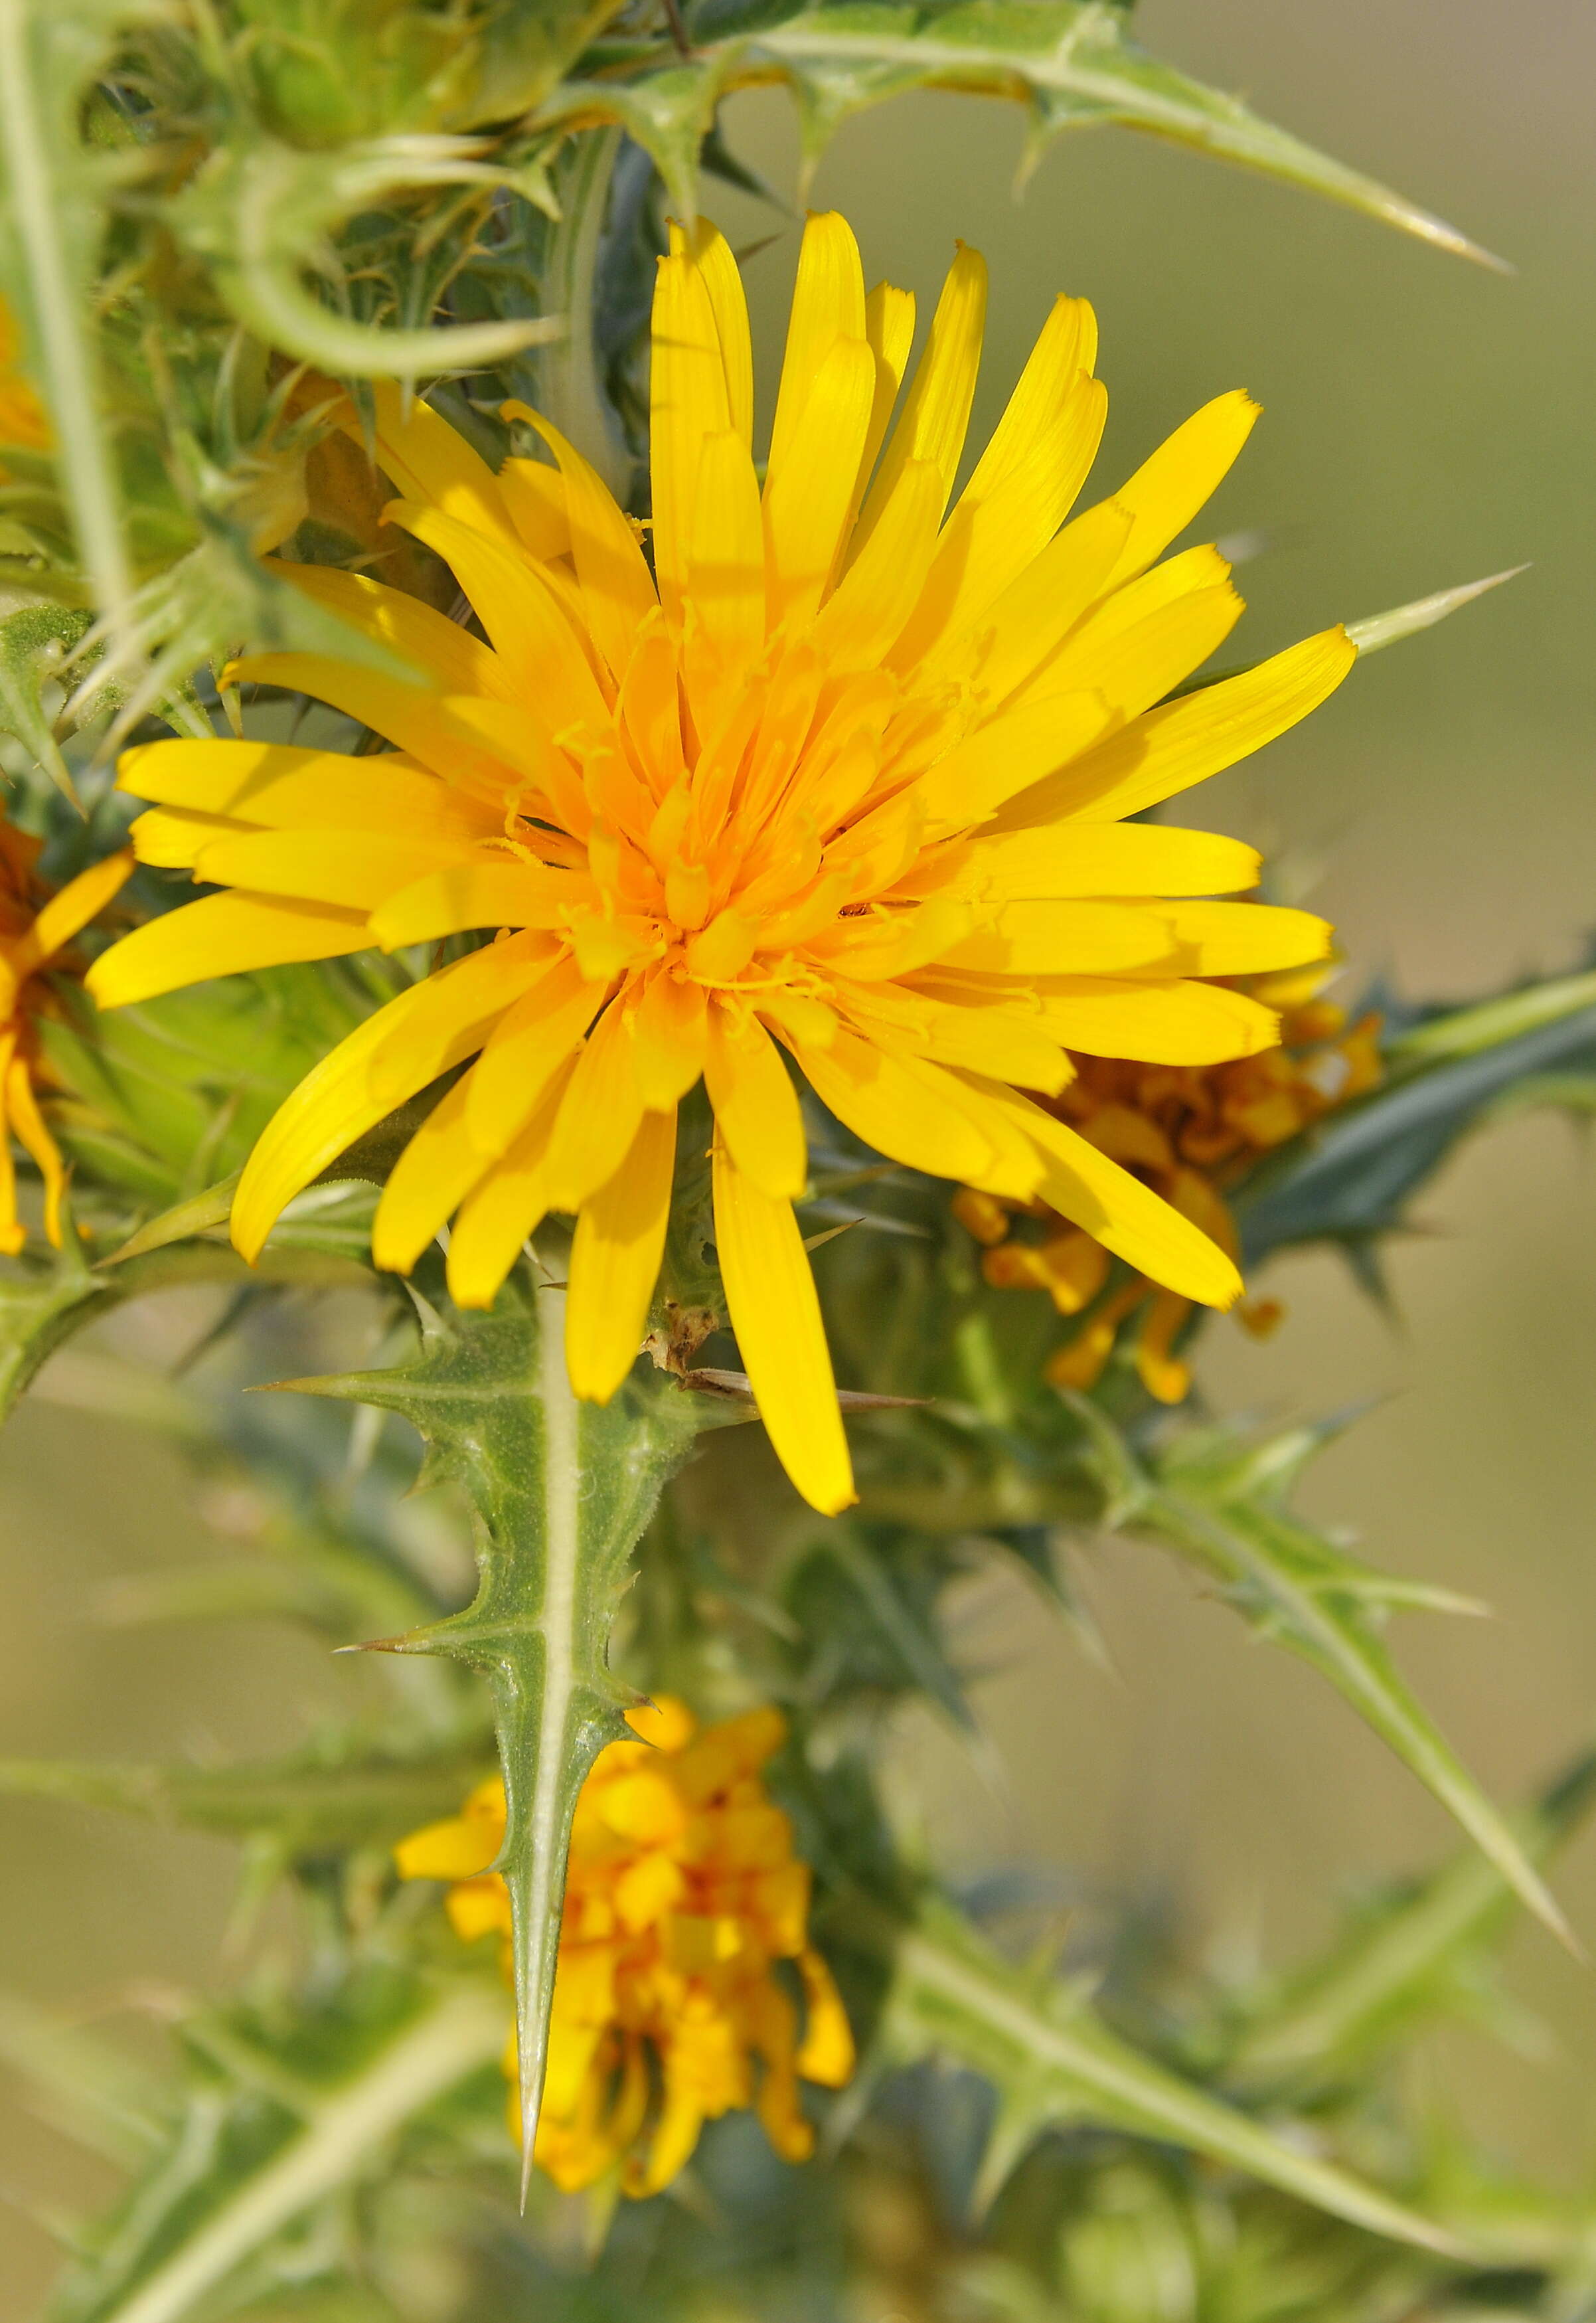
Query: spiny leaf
[1390,1971]
[251,2156]
[561,1492]
[34,642]
[1350,1178]
[1055,2061]
[42,1304]
[1071,62]
[1297,1588]
[341,1793]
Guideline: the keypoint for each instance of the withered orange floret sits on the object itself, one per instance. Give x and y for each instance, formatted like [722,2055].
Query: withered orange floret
[683,1895]
[35,927]
[1191,1132]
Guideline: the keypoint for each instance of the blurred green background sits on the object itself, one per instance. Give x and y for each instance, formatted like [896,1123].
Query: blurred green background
[1426,422]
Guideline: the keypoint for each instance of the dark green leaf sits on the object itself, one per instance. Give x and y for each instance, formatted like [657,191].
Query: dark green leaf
[1351,1179]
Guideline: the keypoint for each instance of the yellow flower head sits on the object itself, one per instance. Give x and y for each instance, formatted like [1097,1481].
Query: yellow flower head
[840,774]
[22,419]
[683,1892]
[1190,1131]
[34,928]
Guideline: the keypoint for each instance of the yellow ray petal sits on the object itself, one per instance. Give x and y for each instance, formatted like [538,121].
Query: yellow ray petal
[22,1110]
[435,1024]
[1139,666]
[1172,1024]
[492,891]
[1105,858]
[433,1175]
[809,500]
[672,1031]
[827,305]
[429,460]
[534,495]
[527,1050]
[418,721]
[354,869]
[711,255]
[270,784]
[541,654]
[868,609]
[757,1109]
[519,739]
[170,838]
[1007,1045]
[726,570]
[600,1114]
[1024,630]
[1184,742]
[936,412]
[903,1107]
[1065,346]
[220,936]
[1243,939]
[687,402]
[992,537]
[617,587]
[1130,603]
[209,776]
[1117,1209]
[1010,753]
[12,1234]
[71,910]
[615,1258]
[507,1206]
[1169,489]
[449,657]
[889,327]
[776,1315]
[1073,937]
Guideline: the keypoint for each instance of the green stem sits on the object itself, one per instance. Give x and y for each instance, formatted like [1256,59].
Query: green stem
[39,206]
[462,2031]
[1052,2060]
[570,391]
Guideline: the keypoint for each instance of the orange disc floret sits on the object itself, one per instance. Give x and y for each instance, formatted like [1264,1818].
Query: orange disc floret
[683,1895]
[1191,1133]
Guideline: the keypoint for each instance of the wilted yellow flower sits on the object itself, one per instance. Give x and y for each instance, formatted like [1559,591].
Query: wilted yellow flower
[833,777]
[34,928]
[22,419]
[1190,1131]
[682,1892]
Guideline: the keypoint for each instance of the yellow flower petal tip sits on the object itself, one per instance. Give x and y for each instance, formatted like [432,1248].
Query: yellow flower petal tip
[683,1950]
[825,775]
[1191,1132]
